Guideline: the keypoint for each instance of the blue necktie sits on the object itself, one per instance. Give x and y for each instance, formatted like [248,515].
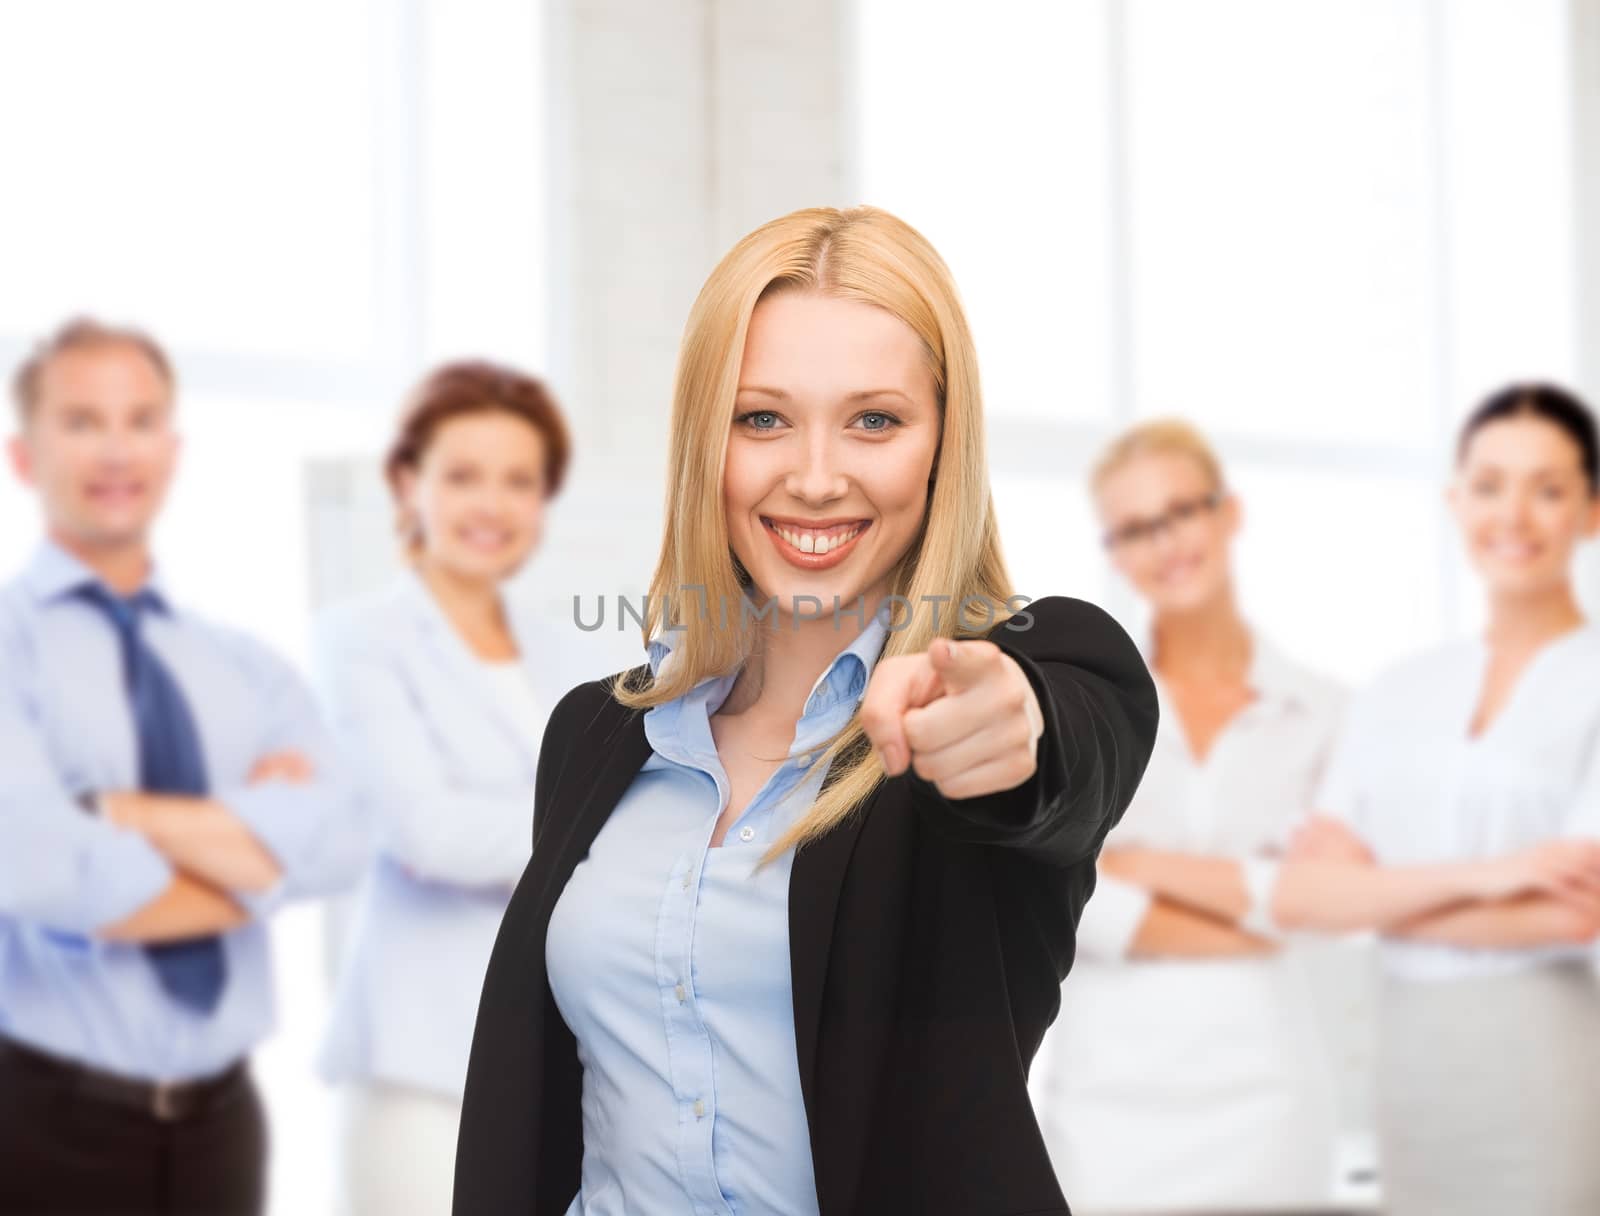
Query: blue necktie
[170,762]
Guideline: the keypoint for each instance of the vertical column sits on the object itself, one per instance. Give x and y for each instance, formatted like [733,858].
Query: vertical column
[677,125]
[1583,76]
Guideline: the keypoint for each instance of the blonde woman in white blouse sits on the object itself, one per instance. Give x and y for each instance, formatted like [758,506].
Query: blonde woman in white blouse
[1460,818]
[1186,1070]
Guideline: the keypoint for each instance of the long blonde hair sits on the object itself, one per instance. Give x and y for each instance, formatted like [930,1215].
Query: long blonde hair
[862,254]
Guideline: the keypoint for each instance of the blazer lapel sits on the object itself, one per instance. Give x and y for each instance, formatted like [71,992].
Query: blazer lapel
[814,885]
[453,651]
[608,755]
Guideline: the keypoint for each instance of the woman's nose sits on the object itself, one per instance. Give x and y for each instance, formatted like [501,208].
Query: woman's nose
[818,475]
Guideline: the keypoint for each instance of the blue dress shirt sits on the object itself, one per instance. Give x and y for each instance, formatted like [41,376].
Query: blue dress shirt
[66,727]
[669,960]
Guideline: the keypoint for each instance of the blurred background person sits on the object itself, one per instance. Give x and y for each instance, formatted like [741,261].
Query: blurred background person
[1460,817]
[1321,226]
[440,685]
[165,784]
[1186,1070]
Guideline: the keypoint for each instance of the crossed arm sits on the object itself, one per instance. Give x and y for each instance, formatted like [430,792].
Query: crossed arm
[158,867]
[1196,903]
[1330,882]
[1545,895]
[213,854]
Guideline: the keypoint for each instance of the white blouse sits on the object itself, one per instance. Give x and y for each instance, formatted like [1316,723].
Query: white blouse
[1198,1084]
[1417,788]
[511,686]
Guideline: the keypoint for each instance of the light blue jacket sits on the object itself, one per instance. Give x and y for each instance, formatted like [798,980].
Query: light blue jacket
[449,779]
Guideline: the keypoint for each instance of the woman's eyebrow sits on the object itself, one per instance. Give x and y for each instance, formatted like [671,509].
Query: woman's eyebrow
[866,394]
[870,393]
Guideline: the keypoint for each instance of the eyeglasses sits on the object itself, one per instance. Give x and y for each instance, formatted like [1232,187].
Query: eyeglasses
[1139,532]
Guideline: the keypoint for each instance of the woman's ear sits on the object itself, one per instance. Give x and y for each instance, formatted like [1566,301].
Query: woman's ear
[1591,523]
[1232,513]
[409,519]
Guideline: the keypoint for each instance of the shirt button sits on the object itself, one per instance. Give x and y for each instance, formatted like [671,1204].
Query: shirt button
[803,761]
[747,834]
[681,993]
[699,1109]
[687,879]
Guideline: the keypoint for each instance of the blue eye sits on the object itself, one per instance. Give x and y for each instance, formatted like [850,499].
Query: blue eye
[759,420]
[878,421]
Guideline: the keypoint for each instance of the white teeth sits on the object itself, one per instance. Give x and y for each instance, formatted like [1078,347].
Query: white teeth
[817,543]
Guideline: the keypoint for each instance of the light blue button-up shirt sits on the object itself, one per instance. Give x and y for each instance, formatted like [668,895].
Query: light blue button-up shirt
[66,727]
[669,960]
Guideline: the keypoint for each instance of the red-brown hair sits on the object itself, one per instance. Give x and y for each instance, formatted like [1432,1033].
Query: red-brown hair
[81,333]
[477,386]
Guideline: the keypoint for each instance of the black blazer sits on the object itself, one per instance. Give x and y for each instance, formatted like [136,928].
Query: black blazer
[928,940]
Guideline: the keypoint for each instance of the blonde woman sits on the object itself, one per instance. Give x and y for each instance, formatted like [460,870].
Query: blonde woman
[1460,818]
[1186,1072]
[440,685]
[804,886]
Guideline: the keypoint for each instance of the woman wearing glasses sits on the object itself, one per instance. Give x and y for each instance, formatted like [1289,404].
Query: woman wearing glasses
[1460,818]
[1213,1094]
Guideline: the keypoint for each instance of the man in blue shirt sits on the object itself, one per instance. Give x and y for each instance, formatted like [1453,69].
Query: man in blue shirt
[164,785]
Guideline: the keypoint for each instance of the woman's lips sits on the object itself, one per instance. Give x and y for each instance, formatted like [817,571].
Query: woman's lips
[796,555]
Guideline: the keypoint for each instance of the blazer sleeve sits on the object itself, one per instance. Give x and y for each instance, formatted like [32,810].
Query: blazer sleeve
[1099,706]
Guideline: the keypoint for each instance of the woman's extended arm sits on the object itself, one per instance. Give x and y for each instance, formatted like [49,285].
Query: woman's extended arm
[1083,676]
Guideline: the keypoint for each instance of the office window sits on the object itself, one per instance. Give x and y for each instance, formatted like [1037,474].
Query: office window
[1321,230]
[986,128]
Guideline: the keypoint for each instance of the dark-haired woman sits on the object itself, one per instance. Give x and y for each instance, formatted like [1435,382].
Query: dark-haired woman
[1460,818]
[440,686]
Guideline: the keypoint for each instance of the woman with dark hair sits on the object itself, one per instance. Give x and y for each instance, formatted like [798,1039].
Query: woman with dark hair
[440,686]
[1460,819]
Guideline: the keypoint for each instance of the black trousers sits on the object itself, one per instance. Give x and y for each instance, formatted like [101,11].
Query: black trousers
[64,1152]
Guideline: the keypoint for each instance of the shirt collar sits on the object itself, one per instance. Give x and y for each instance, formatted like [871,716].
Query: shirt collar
[841,685]
[53,573]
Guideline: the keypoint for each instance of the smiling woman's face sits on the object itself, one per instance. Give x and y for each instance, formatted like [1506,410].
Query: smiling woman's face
[479,494]
[835,429]
[1523,503]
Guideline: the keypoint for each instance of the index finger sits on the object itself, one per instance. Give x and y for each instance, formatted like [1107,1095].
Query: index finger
[897,684]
